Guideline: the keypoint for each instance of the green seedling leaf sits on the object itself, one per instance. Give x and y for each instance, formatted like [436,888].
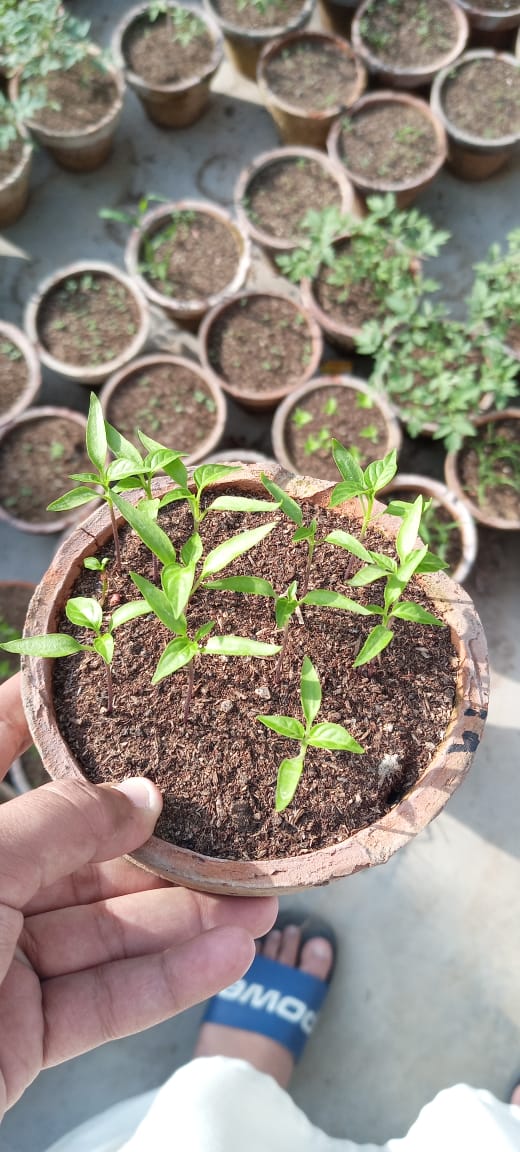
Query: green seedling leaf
[350,543]
[288,506]
[176,655]
[249,585]
[205,630]
[284,726]
[431,563]
[408,610]
[104,646]
[73,499]
[310,690]
[121,447]
[329,599]
[177,583]
[96,440]
[176,494]
[192,550]
[242,504]
[147,530]
[409,530]
[85,612]
[158,603]
[334,737]
[289,774]
[161,458]
[285,606]
[85,477]
[54,645]
[367,575]
[120,470]
[346,490]
[210,473]
[148,507]
[238,646]
[347,466]
[376,641]
[380,472]
[95,565]
[307,532]
[127,612]
[231,549]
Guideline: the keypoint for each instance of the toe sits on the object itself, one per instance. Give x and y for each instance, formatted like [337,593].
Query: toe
[317,957]
[290,945]
[270,945]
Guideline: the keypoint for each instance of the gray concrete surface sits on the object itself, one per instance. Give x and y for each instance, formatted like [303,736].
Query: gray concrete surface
[426,991]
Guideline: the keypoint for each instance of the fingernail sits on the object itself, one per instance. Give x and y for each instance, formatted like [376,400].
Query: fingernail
[142,793]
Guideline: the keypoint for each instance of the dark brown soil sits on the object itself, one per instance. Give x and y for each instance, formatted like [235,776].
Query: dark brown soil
[410,34]
[260,344]
[350,304]
[87,319]
[155,51]
[14,602]
[483,98]
[279,197]
[271,14]
[501,498]
[440,531]
[166,401]
[313,75]
[78,98]
[10,157]
[13,374]
[218,771]
[351,417]
[36,459]
[394,143]
[191,257]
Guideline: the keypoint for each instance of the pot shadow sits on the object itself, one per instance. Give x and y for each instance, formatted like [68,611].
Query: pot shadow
[488,800]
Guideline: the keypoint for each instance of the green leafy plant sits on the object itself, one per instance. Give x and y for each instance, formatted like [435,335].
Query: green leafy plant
[93,564]
[495,296]
[498,462]
[43,37]
[14,112]
[333,737]
[438,532]
[185,25]
[363,484]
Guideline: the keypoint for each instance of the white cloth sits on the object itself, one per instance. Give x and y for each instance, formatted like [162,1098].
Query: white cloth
[217,1104]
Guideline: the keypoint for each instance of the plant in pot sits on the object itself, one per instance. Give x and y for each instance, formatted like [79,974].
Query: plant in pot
[406,44]
[495,296]
[15,155]
[20,375]
[353,270]
[392,707]
[169,53]
[478,101]
[491,21]
[305,80]
[306,422]
[87,320]
[389,142]
[447,526]
[38,450]
[260,346]
[248,25]
[485,470]
[44,46]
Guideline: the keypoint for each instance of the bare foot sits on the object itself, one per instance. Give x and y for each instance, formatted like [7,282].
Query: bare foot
[262,1052]
[515,1098]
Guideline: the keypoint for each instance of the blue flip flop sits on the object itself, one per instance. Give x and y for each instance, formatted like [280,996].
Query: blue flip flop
[275,999]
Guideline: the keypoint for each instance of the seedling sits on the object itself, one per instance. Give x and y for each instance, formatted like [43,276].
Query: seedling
[333,737]
[203,478]
[92,564]
[495,296]
[363,484]
[13,113]
[498,463]
[37,39]
[185,25]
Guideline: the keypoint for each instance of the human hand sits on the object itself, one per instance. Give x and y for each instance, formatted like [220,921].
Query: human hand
[93,948]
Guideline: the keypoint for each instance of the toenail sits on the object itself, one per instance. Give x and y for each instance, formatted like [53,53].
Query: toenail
[320,947]
[292,929]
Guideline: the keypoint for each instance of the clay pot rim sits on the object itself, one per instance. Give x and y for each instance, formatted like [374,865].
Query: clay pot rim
[135,80]
[330,164]
[19,168]
[369,846]
[421,75]
[454,505]
[497,15]
[31,414]
[267,399]
[202,303]
[318,383]
[259,36]
[274,47]
[477,143]
[387,96]
[451,474]
[84,133]
[219,416]
[86,373]
[33,383]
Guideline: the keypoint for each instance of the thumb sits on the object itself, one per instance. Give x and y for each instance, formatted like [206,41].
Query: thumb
[47,834]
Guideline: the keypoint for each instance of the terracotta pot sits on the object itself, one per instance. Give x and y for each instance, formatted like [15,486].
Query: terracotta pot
[338,332]
[407,76]
[259,401]
[406,191]
[371,845]
[173,105]
[117,383]
[473,157]
[14,602]
[79,151]
[492,28]
[240,456]
[244,45]
[54,523]
[90,374]
[274,245]
[336,15]
[14,188]
[32,365]
[188,312]
[298,124]
[350,384]
[452,477]
[409,482]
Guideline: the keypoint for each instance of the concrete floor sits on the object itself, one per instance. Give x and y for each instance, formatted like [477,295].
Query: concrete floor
[426,991]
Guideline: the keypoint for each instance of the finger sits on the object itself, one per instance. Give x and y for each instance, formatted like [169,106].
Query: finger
[73,939]
[15,737]
[95,882]
[114,1000]
[53,831]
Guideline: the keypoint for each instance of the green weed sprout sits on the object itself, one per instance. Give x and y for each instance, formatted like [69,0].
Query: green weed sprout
[333,737]
[92,564]
[363,484]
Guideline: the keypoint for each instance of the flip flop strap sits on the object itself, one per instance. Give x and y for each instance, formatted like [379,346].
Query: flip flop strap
[273,1000]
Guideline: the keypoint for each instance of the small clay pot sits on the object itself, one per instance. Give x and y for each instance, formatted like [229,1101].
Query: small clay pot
[244,46]
[33,381]
[452,477]
[409,482]
[90,374]
[406,191]
[409,76]
[187,312]
[173,105]
[369,846]
[117,382]
[54,523]
[337,16]
[338,332]
[274,245]
[350,384]
[298,124]
[259,401]
[473,157]
[14,188]
[491,28]
[79,151]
